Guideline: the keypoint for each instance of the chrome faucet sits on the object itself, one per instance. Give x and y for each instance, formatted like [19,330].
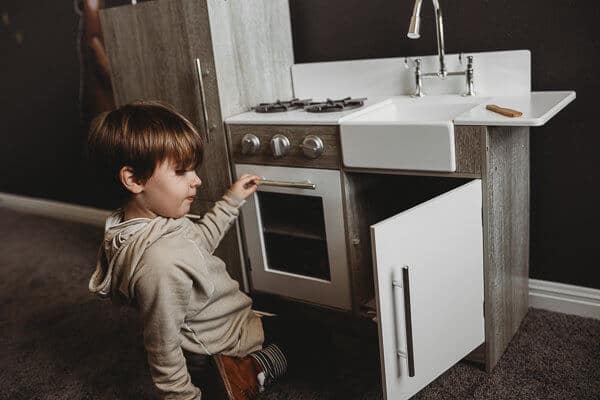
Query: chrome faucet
[413,33]
[415,25]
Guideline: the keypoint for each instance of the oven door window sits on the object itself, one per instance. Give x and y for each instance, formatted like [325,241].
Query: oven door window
[294,234]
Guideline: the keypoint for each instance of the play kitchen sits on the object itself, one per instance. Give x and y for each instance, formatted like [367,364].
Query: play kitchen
[395,190]
[402,200]
[410,209]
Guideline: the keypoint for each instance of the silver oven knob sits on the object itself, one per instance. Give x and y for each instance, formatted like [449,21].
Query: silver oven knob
[312,146]
[250,144]
[280,145]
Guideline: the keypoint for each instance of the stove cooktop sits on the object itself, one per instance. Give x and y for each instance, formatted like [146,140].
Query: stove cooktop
[301,111]
[281,106]
[329,105]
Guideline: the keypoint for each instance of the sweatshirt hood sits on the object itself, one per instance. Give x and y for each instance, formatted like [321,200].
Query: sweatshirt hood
[121,250]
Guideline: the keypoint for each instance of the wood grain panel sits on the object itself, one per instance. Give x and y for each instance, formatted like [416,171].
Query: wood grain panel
[467,145]
[295,133]
[505,235]
[358,241]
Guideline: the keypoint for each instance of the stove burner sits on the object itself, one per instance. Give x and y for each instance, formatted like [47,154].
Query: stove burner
[347,103]
[281,106]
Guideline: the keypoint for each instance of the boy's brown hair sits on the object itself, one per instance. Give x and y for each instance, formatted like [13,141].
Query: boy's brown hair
[141,135]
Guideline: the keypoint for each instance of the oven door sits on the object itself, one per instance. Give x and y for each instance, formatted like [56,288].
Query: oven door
[295,236]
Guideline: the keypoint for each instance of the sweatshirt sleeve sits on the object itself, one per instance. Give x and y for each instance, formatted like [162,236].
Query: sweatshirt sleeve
[210,229]
[163,294]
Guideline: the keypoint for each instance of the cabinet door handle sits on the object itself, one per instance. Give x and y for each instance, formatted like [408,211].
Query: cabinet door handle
[203,98]
[401,288]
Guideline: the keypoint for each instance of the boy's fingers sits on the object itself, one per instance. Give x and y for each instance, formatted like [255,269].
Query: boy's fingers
[247,177]
[250,183]
[250,178]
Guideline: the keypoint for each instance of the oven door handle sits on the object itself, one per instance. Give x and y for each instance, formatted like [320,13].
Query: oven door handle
[297,185]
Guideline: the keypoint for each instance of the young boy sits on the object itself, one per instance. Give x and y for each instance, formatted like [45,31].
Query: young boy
[159,261]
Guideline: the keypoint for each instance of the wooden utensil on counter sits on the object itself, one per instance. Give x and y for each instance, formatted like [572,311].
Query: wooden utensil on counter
[503,111]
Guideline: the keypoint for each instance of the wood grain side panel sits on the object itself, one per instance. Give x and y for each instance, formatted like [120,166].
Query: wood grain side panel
[145,46]
[295,133]
[358,241]
[505,235]
[467,145]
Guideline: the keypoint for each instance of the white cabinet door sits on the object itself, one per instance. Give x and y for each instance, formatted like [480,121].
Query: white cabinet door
[428,264]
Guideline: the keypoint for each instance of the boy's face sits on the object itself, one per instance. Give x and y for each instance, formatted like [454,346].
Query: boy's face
[169,192]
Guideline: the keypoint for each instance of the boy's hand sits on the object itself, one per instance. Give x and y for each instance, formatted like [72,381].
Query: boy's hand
[244,186]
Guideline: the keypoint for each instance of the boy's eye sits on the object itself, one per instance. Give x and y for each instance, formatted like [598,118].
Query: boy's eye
[181,171]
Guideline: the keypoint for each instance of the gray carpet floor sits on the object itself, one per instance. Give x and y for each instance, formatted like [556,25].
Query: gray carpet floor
[58,342]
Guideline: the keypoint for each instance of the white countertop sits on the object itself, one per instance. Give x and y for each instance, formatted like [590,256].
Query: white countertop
[537,109]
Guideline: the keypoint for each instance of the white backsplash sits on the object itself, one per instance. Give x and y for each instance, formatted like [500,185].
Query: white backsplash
[498,73]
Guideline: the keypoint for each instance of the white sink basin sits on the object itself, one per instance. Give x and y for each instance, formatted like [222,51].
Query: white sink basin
[404,133]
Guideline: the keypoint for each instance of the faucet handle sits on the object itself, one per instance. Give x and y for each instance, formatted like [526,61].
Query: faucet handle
[469,74]
[416,62]
[460,58]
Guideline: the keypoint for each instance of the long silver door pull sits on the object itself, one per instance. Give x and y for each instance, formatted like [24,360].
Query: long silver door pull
[400,285]
[298,185]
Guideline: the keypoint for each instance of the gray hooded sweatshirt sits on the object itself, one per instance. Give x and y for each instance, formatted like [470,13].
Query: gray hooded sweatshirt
[165,268]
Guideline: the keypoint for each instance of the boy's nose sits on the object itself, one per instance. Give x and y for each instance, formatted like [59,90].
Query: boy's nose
[197,181]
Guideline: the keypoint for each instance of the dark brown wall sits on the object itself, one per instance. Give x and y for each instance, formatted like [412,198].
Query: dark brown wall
[42,136]
[39,124]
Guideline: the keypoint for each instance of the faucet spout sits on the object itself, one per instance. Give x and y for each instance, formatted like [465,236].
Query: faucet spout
[439,27]
[413,31]
[415,21]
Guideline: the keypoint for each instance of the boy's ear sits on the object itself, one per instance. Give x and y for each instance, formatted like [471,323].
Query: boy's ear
[128,179]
